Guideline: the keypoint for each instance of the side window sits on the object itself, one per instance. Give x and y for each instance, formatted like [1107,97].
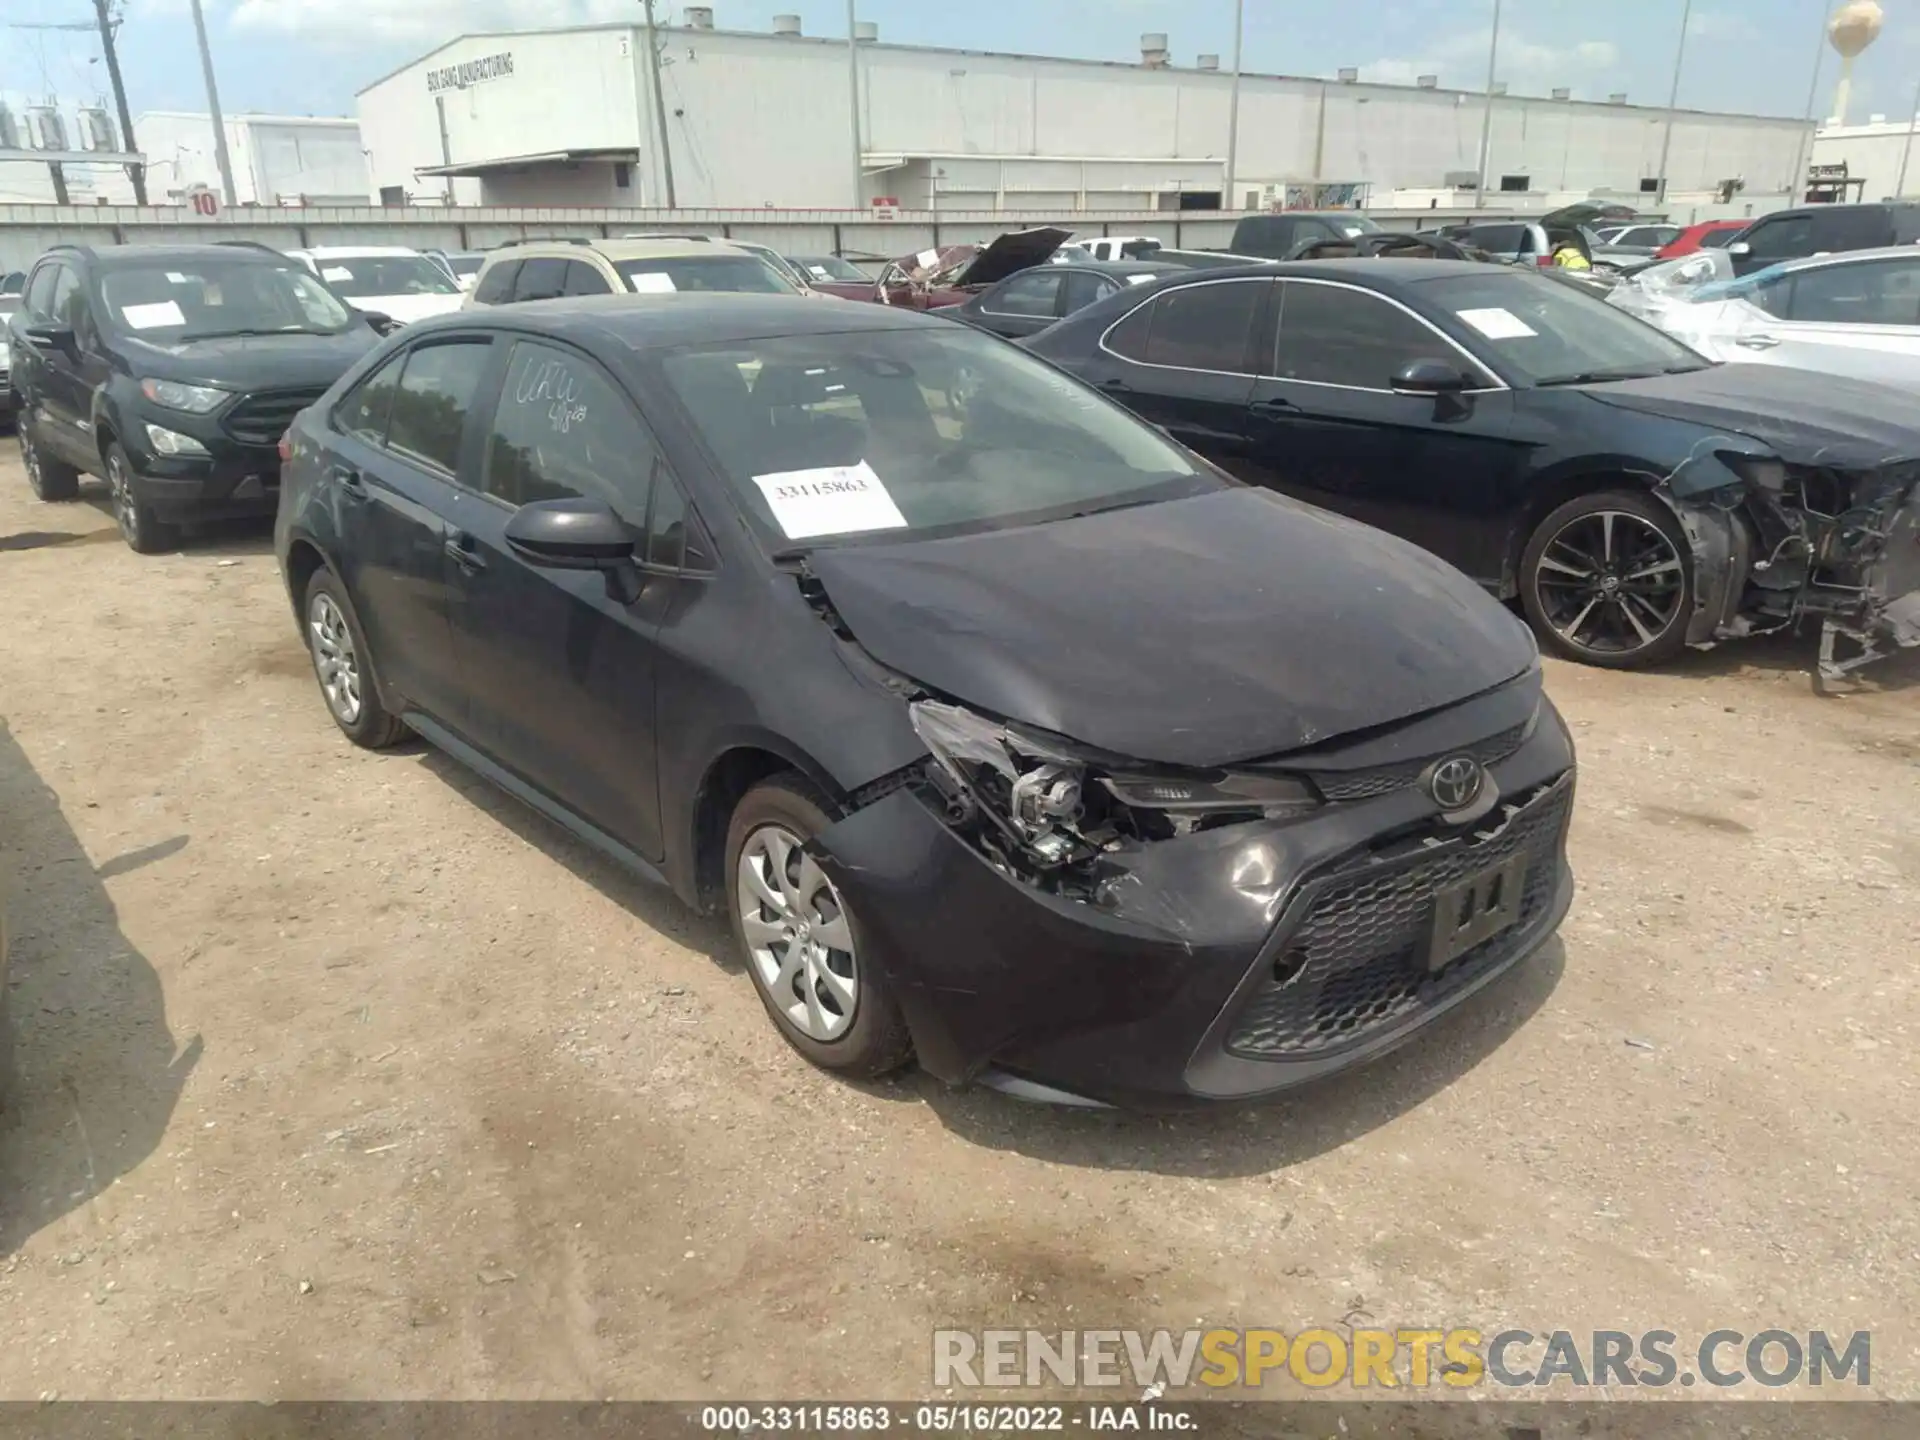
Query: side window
[39,297]
[496,286]
[1036,293]
[430,406]
[1083,289]
[542,278]
[1197,327]
[584,279]
[66,286]
[364,410]
[562,429]
[1852,227]
[667,526]
[1876,293]
[1787,237]
[1333,335]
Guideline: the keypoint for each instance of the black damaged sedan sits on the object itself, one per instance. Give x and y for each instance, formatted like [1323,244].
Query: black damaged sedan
[1007,735]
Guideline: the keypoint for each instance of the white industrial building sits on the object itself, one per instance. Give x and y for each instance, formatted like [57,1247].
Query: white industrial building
[1876,161]
[759,119]
[276,159]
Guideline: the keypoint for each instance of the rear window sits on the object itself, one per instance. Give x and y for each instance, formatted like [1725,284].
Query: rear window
[746,273]
[1497,237]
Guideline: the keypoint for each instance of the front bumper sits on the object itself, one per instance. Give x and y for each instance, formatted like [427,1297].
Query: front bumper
[1228,964]
[232,480]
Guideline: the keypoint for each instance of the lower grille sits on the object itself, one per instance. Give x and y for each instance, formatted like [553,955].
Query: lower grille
[1338,785]
[263,417]
[1354,964]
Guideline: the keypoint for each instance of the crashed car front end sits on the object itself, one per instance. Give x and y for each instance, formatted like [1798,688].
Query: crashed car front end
[1081,928]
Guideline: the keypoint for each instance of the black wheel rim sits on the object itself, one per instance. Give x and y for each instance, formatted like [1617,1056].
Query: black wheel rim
[1610,583]
[29,458]
[125,510]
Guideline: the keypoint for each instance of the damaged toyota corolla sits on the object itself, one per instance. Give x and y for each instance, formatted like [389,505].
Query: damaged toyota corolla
[1008,735]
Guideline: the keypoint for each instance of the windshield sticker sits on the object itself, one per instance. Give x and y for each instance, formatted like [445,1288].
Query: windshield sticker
[1140,279]
[551,385]
[926,259]
[819,272]
[833,500]
[153,317]
[336,272]
[651,284]
[174,279]
[1498,324]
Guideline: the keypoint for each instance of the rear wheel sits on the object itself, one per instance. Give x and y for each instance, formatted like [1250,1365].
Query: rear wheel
[48,478]
[1607,579]
[340,663]
[145,532]
[801,943]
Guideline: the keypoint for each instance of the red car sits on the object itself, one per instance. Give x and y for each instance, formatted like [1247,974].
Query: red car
[1708,235]
[954,274]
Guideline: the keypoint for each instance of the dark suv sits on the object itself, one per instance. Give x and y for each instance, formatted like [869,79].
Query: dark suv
[172,372]
[1822,230]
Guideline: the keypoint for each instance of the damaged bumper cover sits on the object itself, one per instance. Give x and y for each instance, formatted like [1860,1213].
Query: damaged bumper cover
[1222,962]
[1777,544]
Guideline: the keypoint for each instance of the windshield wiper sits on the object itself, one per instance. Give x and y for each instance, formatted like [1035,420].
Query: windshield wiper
[1589,377]
[232,334]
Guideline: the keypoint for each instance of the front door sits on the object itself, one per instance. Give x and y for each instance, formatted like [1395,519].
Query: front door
[1331,429]
[392,480]
[559,670]
[1024,305]
[1861,319]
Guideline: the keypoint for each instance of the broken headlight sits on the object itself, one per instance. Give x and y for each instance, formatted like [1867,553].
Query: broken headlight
[1036,802]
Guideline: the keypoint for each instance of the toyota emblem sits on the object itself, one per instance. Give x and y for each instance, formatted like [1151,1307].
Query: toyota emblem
[1455,782]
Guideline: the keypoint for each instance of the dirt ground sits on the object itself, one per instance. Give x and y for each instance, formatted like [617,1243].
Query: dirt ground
[342,1075]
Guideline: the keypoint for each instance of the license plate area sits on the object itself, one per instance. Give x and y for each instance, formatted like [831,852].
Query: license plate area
[1473,911]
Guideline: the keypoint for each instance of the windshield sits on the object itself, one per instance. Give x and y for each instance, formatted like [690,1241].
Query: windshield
[1546,334]
[829,267]
[197,299]
[705,272]
[465,265]
[910,432]
[355,276]
[1720,239]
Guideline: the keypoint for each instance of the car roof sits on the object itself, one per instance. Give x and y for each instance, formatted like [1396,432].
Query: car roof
[122,256]
[617,250]
[666,322]
[1123,267]
[342,252]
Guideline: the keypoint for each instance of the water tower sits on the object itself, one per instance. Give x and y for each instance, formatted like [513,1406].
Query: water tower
[1854,27]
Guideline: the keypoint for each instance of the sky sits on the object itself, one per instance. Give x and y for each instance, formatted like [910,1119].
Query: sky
[311,56]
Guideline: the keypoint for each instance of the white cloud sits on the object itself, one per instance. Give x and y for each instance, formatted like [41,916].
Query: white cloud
[419,22]
[1460,61]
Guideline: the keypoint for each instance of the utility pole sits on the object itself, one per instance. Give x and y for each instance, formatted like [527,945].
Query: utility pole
[1486,115]
[1673,100]
[1233,106]
[1906,149]
[1805,152]
[853,95]
[659,106]
[136,172]
[213,106]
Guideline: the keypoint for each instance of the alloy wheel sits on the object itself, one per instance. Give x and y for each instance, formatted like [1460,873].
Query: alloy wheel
[334,659]
[797,934]
[126,509]
[1610,583]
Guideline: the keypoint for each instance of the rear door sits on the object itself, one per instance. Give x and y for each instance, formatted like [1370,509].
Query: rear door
[397,445]
[1025,304]
[1082,288]
[1184,361]
[1851,227]
[1860,318]
[1331,429]
[65,406]
[560,672]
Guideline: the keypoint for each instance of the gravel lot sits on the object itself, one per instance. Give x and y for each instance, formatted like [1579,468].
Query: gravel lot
[341,1075]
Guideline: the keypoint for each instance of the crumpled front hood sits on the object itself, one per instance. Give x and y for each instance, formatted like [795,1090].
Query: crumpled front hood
[1205,631]
[1804,417]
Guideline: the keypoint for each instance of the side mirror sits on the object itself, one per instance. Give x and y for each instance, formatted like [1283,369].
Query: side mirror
[1428,377]
[571,534]
[383,324]
[52,337]
[1740,249]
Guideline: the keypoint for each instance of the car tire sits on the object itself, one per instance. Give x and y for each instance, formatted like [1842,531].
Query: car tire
[145,532]
[1607,579]
[833,1005]
[49,479]
[343,665]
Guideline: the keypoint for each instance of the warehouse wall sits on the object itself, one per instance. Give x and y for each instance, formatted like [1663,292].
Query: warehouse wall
[758,119]
[1875,152]
[273,157]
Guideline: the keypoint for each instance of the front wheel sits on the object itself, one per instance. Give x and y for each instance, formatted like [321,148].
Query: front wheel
[144,532]
[1607,579]
[48,478]
[801,943]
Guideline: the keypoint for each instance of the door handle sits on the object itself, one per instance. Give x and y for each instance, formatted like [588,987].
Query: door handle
[1756,342]
[350,480]
[464,551]
[1274,409]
